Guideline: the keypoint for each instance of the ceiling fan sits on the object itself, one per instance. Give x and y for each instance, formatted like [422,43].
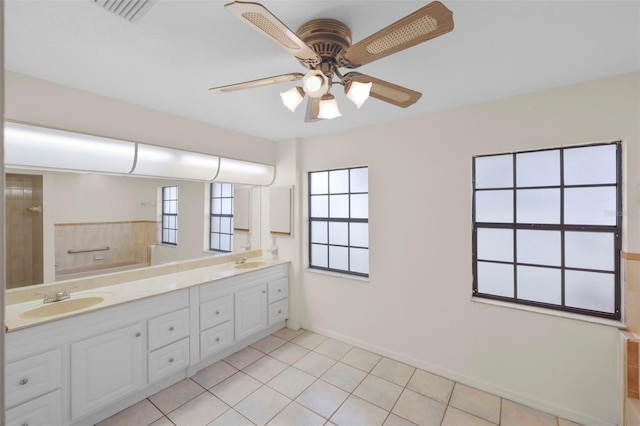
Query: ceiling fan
[323,46]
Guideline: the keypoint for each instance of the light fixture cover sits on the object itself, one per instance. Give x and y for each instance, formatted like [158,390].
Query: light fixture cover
[315,83]
[172,163]
[43,148]
[358,92]
[328,107]
[292,97]
[245,172]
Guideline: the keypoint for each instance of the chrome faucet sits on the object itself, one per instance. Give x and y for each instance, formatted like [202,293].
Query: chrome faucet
[240,261]
[58,296]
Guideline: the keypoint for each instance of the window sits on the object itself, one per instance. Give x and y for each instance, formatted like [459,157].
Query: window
[170,215]
[339,220]
[546,228]
[221,228]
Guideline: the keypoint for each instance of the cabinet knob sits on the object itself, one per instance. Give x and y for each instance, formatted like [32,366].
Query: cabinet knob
[138,334]
[217,312]
[171,328]
[217,339]
[24,424]
[279,290]
[24,382]
[170,360]
[264,291]
[280,312]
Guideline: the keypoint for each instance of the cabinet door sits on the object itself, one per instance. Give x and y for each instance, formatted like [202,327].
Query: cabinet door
[105,368]
[251,311]
[45,410]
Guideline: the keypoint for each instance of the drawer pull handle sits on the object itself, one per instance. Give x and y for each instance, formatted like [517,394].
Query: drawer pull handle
[171,328]
[217,339]
[170,360]
[24,382]
[279,290]
[217,312]
[138,334]
[280,311]
[264,291]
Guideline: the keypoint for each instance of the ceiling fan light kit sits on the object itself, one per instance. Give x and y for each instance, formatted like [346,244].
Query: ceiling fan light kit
[323,46]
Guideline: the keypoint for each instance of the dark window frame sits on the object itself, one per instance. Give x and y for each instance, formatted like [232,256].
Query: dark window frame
[330,220]
[562,228]
[220,216]
[167,215]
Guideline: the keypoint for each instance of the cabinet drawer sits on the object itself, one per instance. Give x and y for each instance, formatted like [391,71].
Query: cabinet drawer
[168,328]
[32,377]
[168,360]
[216,312]
[215,339]
[46,410]
[278,311]
[278,289]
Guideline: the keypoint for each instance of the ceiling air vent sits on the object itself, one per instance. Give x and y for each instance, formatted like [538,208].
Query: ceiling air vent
[131,10]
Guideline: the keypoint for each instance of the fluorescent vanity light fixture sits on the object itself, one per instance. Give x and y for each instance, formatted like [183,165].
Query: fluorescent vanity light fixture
[328,107]
[292,98]
[315,83]
[245,172]
[158,161]
[358,92]
[44,148]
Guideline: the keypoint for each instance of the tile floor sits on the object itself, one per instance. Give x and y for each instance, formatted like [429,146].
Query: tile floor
[301,378]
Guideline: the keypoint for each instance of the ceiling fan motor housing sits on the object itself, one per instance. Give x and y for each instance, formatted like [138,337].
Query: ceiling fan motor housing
[326,37]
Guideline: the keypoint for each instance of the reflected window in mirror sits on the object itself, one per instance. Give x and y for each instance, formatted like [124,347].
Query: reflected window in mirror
[170,215]
[221,220]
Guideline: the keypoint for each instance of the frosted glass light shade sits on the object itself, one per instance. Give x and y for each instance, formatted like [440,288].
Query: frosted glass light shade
[292,98]
[328,107]
[165,162]
[315,83]
[38,147]
[358,92]
[245,172]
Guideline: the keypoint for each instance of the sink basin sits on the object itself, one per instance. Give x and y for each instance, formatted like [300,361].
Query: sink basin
[66,306]
[250,265]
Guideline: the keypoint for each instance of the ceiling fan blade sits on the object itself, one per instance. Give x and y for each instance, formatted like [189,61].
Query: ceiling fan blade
[259,83]
[385,91]
[313,109]
[266,23]
[426,23]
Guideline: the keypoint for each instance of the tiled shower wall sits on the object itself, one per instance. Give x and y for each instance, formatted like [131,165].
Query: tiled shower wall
[23,195]
[128,242]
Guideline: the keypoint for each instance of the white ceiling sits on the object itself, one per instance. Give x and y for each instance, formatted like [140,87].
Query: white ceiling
[169,59]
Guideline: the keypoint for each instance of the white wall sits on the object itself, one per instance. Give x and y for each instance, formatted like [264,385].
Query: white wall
[417,305]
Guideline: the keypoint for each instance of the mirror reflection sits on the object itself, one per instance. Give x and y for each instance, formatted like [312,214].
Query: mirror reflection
[63,225]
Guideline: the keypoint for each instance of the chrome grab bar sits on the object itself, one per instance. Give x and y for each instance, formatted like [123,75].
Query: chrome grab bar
[88,250]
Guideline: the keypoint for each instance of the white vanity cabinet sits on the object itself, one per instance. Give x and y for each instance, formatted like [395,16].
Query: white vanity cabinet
[251,311]
[106,368]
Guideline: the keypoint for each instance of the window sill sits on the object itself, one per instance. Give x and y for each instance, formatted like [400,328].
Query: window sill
[552,312]
[337,274]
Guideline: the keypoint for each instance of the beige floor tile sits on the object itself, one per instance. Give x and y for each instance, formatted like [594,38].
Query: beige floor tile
[455,417]
[142,413]
[359,358]
[309,340]
[333,348]
[262,405]
[344,376]
[235,388]
[296,415]
[199,411]
[356,411]
[291,382]
[565,422]
[314,364]
[243,357]
[514,414]
[419,409]
[378,391]
[268,344]
[289,353]
[214,374]
[476,402]
[394,420]
[430,385]
[288,333]
[265,369]
[231,418]
[174,396]
[164,421]
[393,371]
[322,398]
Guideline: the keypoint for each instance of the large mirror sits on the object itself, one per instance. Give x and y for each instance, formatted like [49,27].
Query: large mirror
[64,225]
